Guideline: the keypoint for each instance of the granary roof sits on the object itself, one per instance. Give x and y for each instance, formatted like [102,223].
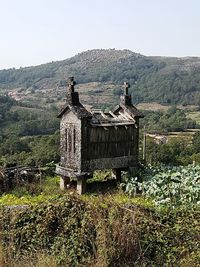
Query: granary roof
[130,109]
[100,118]
[78,110]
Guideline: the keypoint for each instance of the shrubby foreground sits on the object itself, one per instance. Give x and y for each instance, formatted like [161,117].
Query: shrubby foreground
[105,230]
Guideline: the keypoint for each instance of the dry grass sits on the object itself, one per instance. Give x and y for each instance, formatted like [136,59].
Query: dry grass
[153,106]
[181,136]
[40,260]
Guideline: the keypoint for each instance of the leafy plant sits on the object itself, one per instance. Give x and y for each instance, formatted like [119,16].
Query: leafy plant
[168,186]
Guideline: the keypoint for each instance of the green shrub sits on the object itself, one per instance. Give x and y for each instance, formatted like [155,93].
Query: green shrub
[100,231]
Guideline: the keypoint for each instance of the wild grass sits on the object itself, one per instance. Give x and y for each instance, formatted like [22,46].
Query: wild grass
[29,260]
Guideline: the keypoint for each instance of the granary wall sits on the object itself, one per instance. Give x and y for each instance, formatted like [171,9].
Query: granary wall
[108,142]
[111,147]
[70,141]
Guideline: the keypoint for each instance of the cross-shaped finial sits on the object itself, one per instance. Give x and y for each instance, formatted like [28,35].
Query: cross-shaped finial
[71,84]
[126,86]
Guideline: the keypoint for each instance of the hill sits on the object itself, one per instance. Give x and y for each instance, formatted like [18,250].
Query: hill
[159,79]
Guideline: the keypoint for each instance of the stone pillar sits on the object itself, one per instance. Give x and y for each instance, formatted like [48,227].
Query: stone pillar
[64,182]
[81,185]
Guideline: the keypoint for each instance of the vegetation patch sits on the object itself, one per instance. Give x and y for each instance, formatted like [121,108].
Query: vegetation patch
[159,227]
[168,186]
[106,231]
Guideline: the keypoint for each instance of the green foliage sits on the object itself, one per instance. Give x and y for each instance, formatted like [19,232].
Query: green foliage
[59,228]
[175,152]
[103,232]
[31,151]
[5,104]
[168,186]
[12,199]
[28,135]
[26,77]
[40,189]
[171,120]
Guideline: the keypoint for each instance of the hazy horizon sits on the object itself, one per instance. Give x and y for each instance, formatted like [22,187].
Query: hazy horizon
[39,32]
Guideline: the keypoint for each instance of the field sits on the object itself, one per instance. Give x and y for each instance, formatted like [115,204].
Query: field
[182,136]
[153,106]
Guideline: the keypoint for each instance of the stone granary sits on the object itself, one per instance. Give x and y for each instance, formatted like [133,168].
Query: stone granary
[96,140]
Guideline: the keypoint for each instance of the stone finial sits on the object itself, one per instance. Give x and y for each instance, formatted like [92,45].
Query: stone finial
[126,86]
[125,99]
[71,84]
[72,96]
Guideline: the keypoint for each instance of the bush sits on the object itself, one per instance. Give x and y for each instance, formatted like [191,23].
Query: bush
[100,231]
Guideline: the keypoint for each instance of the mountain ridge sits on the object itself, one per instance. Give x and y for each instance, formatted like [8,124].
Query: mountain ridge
[171,80]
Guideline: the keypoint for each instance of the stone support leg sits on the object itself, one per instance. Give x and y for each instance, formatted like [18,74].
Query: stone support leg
[81,185]
[64,182]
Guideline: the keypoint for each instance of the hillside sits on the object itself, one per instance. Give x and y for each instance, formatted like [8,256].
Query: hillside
[158,79]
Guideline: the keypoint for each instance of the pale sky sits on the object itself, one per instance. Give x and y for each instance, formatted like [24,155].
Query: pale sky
[40,31]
